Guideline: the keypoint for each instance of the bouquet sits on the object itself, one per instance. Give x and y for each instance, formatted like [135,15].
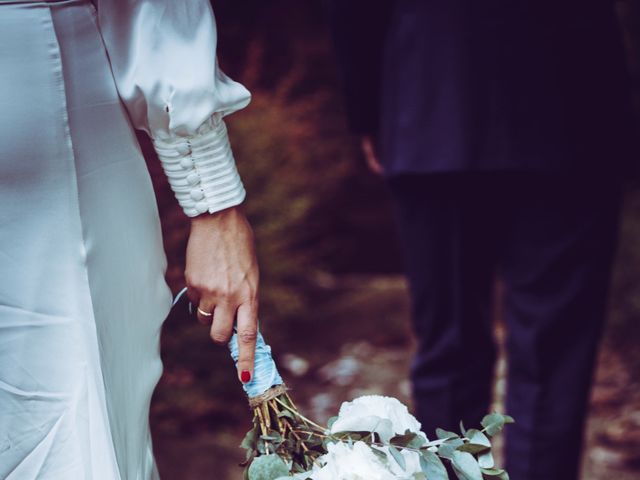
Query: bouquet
[372,438]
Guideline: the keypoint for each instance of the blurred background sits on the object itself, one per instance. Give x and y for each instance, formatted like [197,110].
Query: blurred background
[334,304]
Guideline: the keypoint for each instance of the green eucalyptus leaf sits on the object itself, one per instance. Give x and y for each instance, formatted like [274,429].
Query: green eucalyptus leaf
[471,432]
[286,414]
[492,472]
[491,418]
[249,440]
[405,439]
[473,448]
[267,467]
[476,436]
[462,429]
[432,466]
[395,453]
[444,434]
[485,460]
[417,442]
[260,446]
[455,442]
[495,473]
[381,455]
[249,456]
[494,422]
[446,451]
[465,466]
[331,421]
[485,457]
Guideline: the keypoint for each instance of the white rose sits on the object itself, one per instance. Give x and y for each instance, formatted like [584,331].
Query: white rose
[386,416]
[355,462]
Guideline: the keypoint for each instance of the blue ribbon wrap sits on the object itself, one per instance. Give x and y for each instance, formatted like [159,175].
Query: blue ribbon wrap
[265,372]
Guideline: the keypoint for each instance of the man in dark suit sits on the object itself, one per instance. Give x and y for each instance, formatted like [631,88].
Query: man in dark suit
[503,129]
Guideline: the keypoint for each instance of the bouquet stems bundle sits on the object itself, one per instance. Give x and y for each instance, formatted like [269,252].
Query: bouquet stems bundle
[373,437]
[279,428]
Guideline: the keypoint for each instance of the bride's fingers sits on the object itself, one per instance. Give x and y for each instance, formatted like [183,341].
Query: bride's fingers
[247,334]
[222,326]
[204,312]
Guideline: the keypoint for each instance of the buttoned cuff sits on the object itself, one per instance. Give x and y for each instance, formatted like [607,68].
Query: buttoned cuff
[201,169]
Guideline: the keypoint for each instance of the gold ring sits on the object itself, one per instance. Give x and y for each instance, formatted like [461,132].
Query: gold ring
[203,313]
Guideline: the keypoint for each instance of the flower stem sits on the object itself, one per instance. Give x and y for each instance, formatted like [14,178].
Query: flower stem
[298,414]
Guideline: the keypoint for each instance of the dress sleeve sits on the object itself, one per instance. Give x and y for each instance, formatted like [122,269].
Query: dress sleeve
[163,58]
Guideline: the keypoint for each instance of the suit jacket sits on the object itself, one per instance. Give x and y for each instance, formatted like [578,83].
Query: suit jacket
[457,85]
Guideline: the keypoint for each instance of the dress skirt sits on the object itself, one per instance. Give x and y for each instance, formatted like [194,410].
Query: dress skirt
[82,288]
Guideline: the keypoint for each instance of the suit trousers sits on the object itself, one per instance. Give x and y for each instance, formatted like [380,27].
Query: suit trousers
[551,239]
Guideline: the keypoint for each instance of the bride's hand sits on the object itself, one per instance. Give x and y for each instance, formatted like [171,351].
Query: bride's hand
[222,278]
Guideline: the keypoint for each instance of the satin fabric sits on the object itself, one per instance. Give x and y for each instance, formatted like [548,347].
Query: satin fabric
[82,289]
[163,57]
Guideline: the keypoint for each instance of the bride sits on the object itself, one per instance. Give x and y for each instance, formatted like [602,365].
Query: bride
[82,291]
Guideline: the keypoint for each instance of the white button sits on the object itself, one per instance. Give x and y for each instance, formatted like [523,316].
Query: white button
[202,207]
[186,162]
[197,194]
[193,178]
[183,148]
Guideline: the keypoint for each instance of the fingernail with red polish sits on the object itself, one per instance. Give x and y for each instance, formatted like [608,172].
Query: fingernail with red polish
[245,376]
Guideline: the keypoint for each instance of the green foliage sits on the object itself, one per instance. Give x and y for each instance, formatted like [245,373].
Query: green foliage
[494,422]
[494,474]
[465,466]
[302,442]
[443,434]
[408,439]
[397,456]
[267,467]
[432,466]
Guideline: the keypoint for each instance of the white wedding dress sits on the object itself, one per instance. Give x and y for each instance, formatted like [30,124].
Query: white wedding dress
[82,288]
